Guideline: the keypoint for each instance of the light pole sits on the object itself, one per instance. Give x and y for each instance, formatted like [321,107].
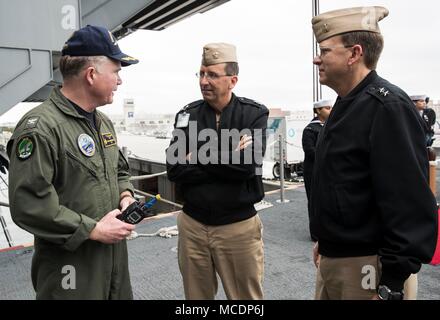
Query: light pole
[317,89]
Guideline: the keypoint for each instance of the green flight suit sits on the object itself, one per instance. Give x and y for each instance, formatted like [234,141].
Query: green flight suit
[60,185]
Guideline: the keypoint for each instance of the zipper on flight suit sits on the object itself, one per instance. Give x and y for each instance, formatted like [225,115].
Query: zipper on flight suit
[96,134]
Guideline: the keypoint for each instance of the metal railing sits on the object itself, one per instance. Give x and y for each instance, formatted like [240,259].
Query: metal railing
[134,178]
[281,148]
[150,176]
[142,193]
[147,176]
[5,226]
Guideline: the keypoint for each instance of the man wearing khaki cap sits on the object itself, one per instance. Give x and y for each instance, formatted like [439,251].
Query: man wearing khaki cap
[220,231]
[371,206]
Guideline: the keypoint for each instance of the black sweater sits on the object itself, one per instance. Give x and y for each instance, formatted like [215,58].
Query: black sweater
[222,193]
[370,190]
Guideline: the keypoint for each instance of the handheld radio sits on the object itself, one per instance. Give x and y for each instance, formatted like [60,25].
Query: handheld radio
[137,211]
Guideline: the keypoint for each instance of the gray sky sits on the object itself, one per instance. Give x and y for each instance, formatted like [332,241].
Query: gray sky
[274,48]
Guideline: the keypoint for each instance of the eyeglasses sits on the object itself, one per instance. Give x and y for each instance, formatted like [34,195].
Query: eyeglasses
[322,51]
[211,75]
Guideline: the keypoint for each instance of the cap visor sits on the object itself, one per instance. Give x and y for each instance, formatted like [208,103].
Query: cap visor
[125,60]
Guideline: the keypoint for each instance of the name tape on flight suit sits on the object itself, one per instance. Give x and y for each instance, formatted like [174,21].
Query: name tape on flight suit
[108,139]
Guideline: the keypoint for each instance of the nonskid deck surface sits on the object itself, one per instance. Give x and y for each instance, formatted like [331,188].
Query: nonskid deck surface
[289,270]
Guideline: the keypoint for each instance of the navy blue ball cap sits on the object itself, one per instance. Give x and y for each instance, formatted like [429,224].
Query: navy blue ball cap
[96,41]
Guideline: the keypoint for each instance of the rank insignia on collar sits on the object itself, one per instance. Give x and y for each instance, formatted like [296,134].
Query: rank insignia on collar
[25,148]
[108,140]
[86,145]
[383,92]
[32,122]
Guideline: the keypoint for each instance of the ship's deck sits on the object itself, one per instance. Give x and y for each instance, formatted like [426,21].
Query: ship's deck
[289,270]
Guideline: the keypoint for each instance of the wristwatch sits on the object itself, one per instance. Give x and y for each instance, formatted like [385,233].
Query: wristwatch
[386,293]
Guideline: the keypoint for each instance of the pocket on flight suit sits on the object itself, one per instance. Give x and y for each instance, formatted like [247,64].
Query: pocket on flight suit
[80,164]
[84,182]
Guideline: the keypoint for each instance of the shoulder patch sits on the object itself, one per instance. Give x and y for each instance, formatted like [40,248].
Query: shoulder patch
[25,147]
[250,101]
[31,122]
[192,105]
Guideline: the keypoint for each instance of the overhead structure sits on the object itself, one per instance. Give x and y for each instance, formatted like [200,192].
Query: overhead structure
[33,32]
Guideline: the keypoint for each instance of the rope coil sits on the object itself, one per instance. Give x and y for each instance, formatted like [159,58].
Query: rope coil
[165,232]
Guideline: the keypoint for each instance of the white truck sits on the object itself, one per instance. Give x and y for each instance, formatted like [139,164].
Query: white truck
[291,128]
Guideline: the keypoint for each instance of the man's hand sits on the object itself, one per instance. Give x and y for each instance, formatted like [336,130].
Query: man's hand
[126,200]
[316,256]
[110,229]
[245,142]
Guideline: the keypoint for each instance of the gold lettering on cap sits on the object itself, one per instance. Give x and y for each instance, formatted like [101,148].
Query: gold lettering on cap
[127,58]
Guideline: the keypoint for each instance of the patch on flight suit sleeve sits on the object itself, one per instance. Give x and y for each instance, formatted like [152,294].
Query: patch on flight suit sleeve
[25,147]
[31,122]
[108,139]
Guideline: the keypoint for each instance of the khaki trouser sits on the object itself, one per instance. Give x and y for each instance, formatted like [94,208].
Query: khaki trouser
[354,278]
[234,251]
[410,287]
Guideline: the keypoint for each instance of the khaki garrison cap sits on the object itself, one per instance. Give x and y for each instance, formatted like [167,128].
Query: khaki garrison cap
[332,23]
[215,53]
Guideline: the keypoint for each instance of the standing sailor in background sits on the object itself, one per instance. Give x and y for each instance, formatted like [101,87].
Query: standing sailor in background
[68,180]
[321,111]
[428,116]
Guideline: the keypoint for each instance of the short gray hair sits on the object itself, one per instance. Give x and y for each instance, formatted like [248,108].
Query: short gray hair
[71,66]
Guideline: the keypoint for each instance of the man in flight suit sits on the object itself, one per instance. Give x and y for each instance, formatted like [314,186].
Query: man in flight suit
[68,179]
[372,210]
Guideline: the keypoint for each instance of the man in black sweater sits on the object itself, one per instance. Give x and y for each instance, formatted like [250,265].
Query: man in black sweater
[372,209]
[216,157]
